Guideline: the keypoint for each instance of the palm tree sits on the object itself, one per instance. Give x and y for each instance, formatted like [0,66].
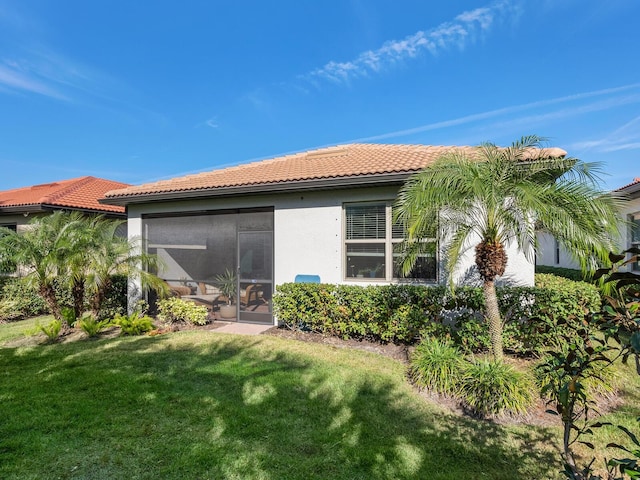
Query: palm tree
[41,253]
[76,251]
[490,197]
[111,254]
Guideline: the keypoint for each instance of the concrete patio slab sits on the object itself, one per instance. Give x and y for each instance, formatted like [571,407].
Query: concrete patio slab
[243,328]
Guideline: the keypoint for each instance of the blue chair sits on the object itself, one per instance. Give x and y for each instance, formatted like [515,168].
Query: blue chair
[300,278]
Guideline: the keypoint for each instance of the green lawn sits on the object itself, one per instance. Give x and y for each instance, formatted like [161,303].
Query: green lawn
[206,405]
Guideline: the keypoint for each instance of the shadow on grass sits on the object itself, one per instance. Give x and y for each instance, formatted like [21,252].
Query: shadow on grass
[237,407]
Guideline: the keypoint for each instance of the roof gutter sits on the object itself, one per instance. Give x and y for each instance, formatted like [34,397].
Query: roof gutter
[359,181]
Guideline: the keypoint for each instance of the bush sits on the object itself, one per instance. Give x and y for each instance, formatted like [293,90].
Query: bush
[569,273]
[133,324]
[405,313]
[493,387]
[436,365]
[115,300]
[92,327]
[598,379]
[173,310]
[19,299]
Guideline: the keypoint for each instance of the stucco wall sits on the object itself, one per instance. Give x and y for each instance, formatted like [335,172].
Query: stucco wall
[546,254]
[308,233]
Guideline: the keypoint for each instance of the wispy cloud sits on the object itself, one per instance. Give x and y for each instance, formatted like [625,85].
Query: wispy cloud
[458,33]
[13,81]
[625,137]
[211,122]
[615,100]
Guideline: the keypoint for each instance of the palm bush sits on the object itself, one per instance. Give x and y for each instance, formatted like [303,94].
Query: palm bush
[436,365]
[492,387]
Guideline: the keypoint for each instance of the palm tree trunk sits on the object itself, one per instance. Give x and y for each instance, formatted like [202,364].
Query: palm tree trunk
[48,293]
[493,318]
[77,292]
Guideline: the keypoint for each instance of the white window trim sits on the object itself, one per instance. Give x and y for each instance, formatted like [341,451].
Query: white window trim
[388,241]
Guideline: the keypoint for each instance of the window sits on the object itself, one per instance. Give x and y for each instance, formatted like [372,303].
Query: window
[635,236]
[373,245]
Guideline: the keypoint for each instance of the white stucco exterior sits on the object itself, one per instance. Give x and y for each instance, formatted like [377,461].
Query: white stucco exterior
[551,254]
[309,235]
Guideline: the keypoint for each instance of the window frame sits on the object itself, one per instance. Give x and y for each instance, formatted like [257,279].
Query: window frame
[634,229]
[389,241]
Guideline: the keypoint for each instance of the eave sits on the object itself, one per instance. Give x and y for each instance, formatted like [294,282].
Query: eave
[359,181]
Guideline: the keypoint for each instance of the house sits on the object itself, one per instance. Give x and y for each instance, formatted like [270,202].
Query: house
[18,206]
[323,214]
[631,213]
[552,253]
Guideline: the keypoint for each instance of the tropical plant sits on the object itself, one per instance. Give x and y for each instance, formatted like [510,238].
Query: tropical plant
[113,255]
[582,358]
[172,310]
[76,252]
[491,386]
[437,365]
[227,283]
[91,326]
[51,330]
[491,197]
[41,252]
[133,324]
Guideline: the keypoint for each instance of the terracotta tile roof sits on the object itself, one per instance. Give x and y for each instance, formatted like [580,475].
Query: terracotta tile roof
[635,182]
[341,161]
[78,193]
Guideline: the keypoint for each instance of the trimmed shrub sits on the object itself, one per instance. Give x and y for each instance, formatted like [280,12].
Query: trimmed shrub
[19,299]
[405,313]
[436,365]
[175,310]
[492,387]
[569,273]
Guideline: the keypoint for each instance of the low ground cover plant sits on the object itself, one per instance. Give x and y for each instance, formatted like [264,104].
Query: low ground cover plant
[484,386]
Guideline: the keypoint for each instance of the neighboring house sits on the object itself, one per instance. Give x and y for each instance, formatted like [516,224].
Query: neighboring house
[20,205]
[551,253]
[631,213]
[323,214]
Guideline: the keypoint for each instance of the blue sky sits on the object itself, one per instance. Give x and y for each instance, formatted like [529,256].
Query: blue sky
[138,91]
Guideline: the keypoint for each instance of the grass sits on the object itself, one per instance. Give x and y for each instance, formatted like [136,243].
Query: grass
[13,330]
[201,404]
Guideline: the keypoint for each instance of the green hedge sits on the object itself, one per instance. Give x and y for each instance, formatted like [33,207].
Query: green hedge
[570,273]
[404,313]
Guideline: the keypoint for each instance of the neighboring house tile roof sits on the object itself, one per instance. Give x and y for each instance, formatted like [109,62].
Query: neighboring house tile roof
[353,161]
[636,181]
[76,193]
